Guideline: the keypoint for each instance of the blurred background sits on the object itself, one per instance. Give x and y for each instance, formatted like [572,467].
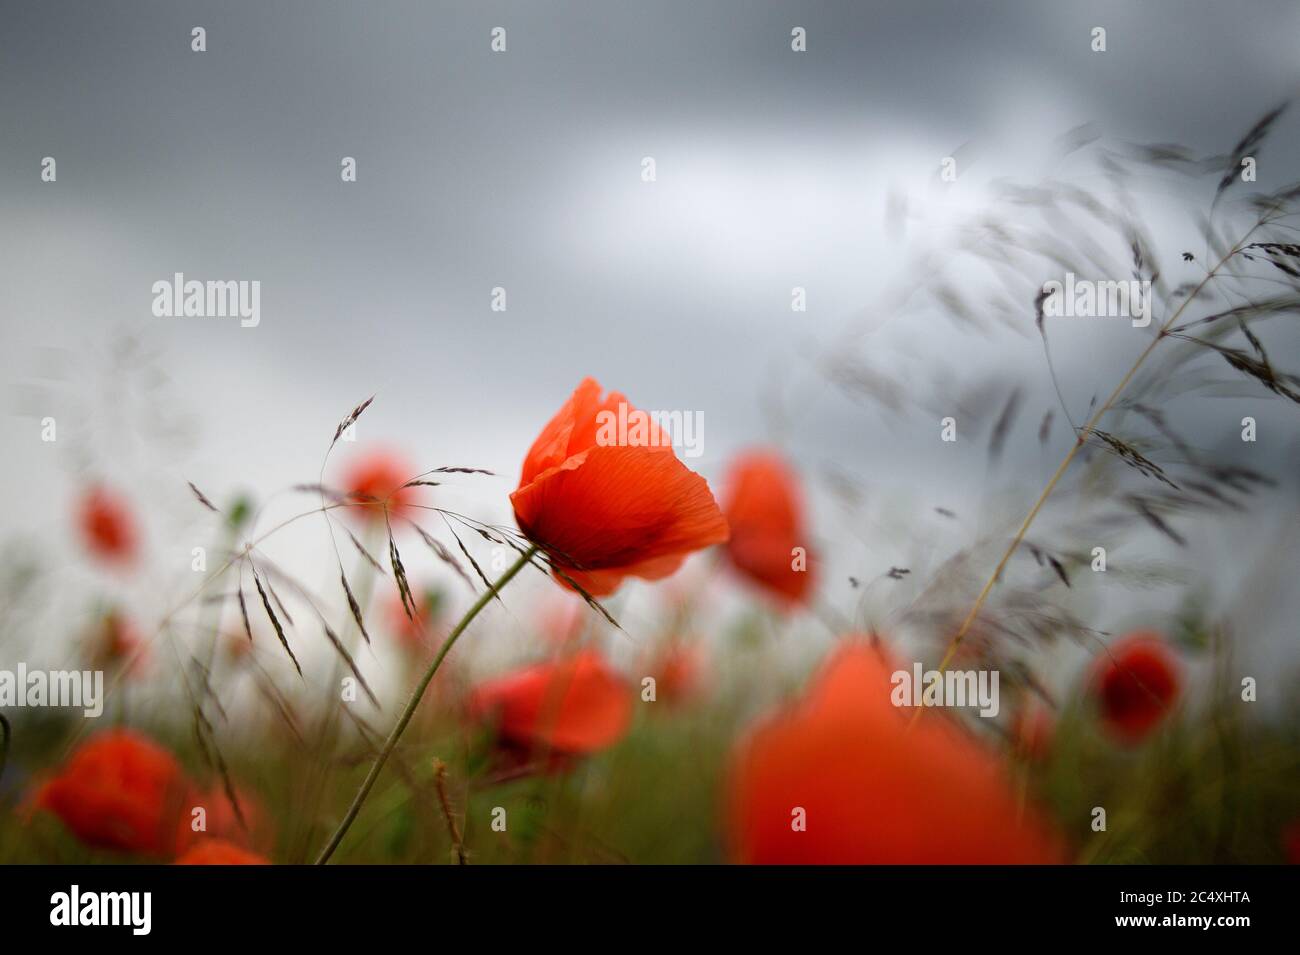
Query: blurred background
[522,169]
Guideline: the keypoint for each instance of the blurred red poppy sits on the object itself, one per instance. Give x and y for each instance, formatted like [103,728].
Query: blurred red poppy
[220,821]
[678,670]
[219,852]
[1135,683]
[605,506]
[419,634]
[237,646]
[570,707]
[1032,729]
[376,479]
[119,790]
[117,643]
[841,778]
[107,525]
[763,503]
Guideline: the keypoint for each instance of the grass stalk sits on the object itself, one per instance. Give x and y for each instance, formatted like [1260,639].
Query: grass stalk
[1080,439]
[416,696]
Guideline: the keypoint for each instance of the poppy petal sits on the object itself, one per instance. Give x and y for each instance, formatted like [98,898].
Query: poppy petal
[618,508]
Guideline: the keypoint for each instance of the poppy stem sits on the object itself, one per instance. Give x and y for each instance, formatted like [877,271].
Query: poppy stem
[416,696]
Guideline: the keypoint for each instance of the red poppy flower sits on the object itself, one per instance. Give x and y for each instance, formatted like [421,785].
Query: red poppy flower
[220,852]
[376,479]
[764,507]
[573,707]
[221,822]
[107,527]
[1135,682]
[841,778]
[606,505]
[120,791]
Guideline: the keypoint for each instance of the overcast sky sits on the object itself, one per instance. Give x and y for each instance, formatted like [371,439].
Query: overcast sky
[522,170]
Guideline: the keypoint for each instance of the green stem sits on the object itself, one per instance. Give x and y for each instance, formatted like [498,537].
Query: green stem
[416,695]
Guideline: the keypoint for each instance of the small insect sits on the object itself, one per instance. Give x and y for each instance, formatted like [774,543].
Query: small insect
[1188,257]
